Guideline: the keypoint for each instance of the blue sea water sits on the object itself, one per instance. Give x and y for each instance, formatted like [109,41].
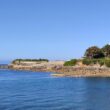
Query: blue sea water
[23,90]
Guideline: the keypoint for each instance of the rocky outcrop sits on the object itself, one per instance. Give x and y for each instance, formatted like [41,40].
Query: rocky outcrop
[83,72]
[37,66]
[60,70]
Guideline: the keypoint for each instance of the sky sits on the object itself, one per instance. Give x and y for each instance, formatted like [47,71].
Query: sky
[52,29]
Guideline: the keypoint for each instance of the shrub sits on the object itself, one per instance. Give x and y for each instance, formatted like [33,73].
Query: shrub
[74,61]
[107,62]
[94,61]
[101,62]
[87,61]
[70,63]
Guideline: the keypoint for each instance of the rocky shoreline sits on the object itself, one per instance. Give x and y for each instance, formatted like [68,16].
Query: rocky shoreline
[64,71]
[83,72]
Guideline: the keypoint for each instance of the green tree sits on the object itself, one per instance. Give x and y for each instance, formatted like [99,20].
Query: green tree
[94,52]
[106,50]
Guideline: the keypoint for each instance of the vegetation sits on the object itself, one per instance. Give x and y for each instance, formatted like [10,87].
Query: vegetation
[87,61]
[94,52]
[107,62]
[70,63]
[106,50]
[101,62]
[33,60]
[93,56]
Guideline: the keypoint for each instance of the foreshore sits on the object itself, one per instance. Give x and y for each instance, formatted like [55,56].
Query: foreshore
[83,72]
[63,71]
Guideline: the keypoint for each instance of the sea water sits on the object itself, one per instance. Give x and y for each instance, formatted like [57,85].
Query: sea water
[24,90]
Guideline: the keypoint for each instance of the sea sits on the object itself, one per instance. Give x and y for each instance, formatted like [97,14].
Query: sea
[25,90]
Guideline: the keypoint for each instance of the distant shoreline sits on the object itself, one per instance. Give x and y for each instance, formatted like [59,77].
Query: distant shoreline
[95,63]
[62,71]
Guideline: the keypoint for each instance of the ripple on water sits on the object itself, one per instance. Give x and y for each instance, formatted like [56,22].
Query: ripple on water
[22,90]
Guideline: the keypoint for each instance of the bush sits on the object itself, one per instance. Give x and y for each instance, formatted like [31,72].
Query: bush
[107,62]
[101,62]
[74,61]
[94,61]
[70,63]
[87,61]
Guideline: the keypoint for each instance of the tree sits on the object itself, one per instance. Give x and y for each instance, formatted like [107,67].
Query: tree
[94,52]
[106,50]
